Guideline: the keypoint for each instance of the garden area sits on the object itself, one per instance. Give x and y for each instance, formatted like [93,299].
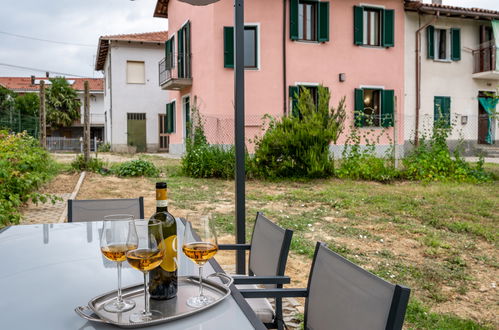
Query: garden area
[430,224]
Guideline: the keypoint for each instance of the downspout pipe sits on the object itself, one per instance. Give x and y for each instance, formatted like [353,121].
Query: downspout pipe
[284,64]
[418,74]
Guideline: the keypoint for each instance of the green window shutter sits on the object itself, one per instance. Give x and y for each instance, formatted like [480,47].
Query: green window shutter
[180,55]
[228,47]
[387,107]
[455,37]
[358,118]
[293,94]
[388,28]
[441,109]
[358,25]
[430,42]
[323,22]
[167,48]
[293,19]
[170,117]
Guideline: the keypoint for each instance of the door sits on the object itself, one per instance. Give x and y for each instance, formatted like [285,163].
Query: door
[136,131]
[483,122]
[187,115]
[164,137]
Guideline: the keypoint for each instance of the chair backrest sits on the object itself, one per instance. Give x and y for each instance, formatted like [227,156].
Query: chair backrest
[269,248]
[342,295]
[96,209]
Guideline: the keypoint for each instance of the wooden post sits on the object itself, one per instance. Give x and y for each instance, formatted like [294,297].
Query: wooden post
[86,123]
[42,116]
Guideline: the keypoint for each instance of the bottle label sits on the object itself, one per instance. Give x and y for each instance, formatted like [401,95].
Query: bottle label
[161,194]
[160,203]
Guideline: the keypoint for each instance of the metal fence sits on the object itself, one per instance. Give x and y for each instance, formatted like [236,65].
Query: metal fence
[63,144]
[16,122]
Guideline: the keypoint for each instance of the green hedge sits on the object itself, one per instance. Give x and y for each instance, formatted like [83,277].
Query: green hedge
[24,167]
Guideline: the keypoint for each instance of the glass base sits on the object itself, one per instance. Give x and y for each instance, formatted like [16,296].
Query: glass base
[200,301]
[143,317]
[117,307]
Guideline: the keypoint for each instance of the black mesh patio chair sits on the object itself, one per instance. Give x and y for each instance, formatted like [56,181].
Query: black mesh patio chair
[97,209]
[268,250]
[342,295]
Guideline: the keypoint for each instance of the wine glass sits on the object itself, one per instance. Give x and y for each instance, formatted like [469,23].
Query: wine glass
[200,245]
[148,255]
[118,237]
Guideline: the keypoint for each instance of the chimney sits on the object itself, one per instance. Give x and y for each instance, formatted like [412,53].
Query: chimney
[436,2]
[32,80]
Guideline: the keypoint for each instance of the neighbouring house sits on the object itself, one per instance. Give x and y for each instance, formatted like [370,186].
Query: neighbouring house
[134,105]
[354,48]
[23,85]
[451,66]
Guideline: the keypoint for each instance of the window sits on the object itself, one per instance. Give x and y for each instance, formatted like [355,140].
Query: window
[374,107]
[374,26]
[135,72]
[294,94]
[443,44]
[441,110]
[184,51]
[309,20]
[170,117]
[250,47]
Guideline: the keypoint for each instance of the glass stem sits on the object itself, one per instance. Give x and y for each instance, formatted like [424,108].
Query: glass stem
[147,312]
[120,299]
[201,281]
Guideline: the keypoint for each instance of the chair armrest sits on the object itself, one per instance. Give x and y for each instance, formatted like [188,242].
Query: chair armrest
[273,293]
[243,279]
[239,247]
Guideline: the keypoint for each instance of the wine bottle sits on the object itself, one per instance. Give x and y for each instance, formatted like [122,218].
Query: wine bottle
[163,279]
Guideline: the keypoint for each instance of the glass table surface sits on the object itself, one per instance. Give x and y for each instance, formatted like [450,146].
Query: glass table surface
[49,269]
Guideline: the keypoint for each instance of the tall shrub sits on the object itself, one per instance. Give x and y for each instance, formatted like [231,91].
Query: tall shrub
[24,166]
[298,146]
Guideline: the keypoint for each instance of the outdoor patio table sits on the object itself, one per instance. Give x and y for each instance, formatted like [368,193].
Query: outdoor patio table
[49,269]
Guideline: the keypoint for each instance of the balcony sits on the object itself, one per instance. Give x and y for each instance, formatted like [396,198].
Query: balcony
[484,59]
[175,72]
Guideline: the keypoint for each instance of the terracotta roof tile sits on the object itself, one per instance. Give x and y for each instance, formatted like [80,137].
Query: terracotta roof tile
[103,47]
[24,83]
[454,10]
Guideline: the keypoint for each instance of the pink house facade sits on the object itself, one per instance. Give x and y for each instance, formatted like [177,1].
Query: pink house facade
[356,49]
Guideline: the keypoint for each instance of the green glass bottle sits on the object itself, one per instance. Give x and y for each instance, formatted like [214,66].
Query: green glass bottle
[163,279]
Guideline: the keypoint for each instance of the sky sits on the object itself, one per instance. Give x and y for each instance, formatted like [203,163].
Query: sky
[77,26]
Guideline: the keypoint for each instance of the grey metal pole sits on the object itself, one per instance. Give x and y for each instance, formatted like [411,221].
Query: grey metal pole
[240,175]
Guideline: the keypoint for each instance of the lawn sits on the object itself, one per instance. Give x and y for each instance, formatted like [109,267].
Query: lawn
[440,239]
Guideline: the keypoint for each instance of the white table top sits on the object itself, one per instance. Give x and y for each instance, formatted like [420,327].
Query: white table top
[48,270]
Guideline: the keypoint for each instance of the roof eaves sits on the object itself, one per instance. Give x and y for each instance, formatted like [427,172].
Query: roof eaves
[161,9]
[451,11]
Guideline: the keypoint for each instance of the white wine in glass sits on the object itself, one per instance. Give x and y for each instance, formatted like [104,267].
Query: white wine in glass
[147,256]
[118,237]
[200,245]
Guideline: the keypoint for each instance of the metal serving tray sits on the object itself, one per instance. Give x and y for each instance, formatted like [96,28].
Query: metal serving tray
[172,309]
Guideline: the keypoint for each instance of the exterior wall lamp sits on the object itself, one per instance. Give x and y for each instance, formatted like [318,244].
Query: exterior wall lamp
[199,2]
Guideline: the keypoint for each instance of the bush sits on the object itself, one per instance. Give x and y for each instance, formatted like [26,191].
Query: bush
[93,165]
[298,145]
[202,160]
[136,167]
[24,167]
[104,147]
[361,162]
[432,160]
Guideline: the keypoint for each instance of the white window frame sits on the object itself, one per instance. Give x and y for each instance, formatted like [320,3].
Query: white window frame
[447,44]
[258,61]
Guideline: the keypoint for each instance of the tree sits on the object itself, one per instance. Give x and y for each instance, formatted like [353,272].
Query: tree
[63,106]
[28,104]
[7,98]
[298,146]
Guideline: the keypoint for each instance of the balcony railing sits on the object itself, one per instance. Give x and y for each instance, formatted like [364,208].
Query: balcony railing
[484,59]
[175,72]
